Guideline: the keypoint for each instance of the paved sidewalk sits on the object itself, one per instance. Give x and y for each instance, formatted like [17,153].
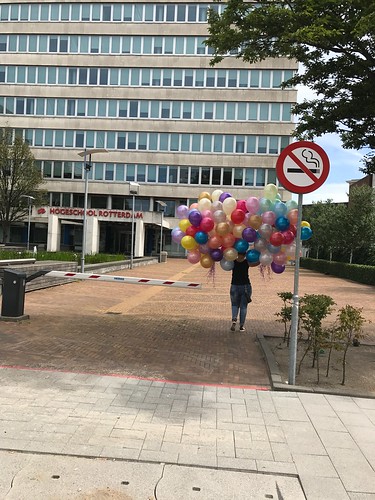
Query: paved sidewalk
[177,441]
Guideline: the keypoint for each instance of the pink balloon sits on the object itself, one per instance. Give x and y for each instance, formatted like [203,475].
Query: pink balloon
[252,205]
[207,224]
[206,213]
[194,256]
[279,258]
[268,217]
[241,205]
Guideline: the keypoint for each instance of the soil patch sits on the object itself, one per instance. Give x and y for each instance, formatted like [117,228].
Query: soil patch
[360,368]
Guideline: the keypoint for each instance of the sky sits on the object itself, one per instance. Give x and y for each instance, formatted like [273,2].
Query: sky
[344,165]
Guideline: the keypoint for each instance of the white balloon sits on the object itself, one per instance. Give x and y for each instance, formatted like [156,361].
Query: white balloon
[216,194]
[229,204]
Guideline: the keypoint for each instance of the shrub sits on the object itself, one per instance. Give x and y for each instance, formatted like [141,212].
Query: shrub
[354,272]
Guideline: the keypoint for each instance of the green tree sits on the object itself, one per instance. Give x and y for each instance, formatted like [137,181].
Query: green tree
[19,177]
[325,219]
[359,223]
[334,40]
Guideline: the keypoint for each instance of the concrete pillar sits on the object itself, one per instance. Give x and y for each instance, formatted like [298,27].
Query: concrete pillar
[139,238]
[92,235]
[54,233]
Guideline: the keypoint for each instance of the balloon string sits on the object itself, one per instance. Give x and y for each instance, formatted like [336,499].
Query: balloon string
[211,274]
[265,271]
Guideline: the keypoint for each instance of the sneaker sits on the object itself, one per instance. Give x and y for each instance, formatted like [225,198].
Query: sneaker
[233,327]
[242,328]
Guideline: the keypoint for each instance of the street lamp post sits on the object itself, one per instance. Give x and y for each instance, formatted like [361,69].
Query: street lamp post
[87,167]
[162,206]
[133,190]
[29,204]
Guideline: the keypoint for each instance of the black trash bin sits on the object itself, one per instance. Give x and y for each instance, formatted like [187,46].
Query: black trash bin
[14,284]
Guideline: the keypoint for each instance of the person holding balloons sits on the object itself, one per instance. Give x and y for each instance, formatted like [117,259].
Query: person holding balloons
[240,291]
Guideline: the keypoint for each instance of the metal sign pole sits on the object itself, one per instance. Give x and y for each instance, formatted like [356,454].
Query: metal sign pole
[295,308]
[84,226]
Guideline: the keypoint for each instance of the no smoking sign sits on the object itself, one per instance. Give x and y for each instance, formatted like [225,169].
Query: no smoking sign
[302,167]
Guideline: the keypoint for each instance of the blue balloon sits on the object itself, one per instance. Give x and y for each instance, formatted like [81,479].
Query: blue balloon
[306,233]
[282,223]
[201,237]
[252,255]
[241,246]
[273,249]
[280,209]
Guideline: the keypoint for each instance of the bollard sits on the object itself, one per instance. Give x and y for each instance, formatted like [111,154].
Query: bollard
[13,299]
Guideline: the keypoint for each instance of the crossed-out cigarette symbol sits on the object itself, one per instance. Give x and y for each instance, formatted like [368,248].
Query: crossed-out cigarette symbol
[312,163]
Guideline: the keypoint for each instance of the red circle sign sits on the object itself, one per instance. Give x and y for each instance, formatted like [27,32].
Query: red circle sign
[302,167]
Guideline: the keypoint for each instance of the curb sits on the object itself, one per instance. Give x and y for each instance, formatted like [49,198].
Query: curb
[278,385]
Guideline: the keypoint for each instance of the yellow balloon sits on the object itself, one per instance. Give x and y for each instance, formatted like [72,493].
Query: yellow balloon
[222,228]
[237,230]
[304,223]
[189,243]
[270,191]
[204,194]
[184,224]
[206,261]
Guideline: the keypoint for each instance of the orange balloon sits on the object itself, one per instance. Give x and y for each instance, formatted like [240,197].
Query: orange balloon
[215,241]
[228,240]
[255,221]
[293,216]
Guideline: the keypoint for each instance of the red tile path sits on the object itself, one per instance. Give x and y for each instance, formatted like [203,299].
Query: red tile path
[168,333]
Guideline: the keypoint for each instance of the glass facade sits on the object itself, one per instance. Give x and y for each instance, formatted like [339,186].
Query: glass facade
[135,79]
[143,77]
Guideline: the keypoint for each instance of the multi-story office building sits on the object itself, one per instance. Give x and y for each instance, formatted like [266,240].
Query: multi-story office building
[134,79]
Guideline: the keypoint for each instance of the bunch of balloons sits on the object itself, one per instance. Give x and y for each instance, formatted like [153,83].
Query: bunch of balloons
[219,227]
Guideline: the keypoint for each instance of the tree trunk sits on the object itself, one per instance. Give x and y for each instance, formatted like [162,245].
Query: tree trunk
[344,365]
[351,257]
[6,231]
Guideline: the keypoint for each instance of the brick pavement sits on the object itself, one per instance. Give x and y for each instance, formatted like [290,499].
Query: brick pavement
[172,334]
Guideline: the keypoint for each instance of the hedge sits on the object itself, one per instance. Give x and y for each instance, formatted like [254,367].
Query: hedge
[354,272]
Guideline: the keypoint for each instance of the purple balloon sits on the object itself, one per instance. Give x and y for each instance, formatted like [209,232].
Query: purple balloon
[277,268]
[224,196]
[177,235]
[204,248]
[216,254]
[195,217]
[182,211]
[249,234]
